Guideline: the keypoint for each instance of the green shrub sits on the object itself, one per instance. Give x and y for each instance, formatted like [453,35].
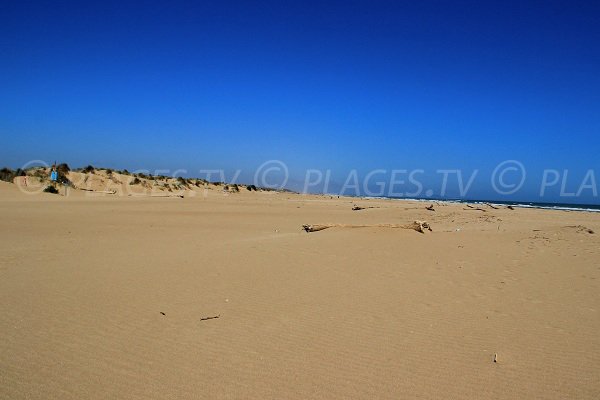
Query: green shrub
[63,169]
[51,189]
[7,174]
[62,178]
[135,181]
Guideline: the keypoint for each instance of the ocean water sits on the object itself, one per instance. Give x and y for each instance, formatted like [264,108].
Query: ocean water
[547,206]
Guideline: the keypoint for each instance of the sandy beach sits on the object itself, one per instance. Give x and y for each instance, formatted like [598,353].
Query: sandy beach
[300,200]
[115,296]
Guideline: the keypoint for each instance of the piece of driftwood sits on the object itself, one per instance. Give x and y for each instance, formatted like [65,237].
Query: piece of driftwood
[419,226]
[315,228]
[581,228]
[207,318]
[167,195]
[492,206]
[471,208]
[178,196]
[98,191]
[358,208]
[510,207]
[430,208]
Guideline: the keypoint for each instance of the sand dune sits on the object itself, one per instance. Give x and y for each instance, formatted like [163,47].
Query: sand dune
[105,296]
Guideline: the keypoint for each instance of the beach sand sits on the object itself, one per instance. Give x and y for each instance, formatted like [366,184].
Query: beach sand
[106,297]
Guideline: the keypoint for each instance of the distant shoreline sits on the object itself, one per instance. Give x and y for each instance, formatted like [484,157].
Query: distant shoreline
[519,204]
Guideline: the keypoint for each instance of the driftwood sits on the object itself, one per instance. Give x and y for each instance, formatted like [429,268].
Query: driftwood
[358,208]
[167,195]
[430,208]
[207,318]
[510,207]
[419,226]
[492,206]
[473,208]
[180,196]
[581,228]
[98,191]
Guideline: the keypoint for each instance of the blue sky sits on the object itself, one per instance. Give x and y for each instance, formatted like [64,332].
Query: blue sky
[318,85]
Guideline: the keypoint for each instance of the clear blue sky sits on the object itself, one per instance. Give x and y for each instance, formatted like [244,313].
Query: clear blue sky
[327,85]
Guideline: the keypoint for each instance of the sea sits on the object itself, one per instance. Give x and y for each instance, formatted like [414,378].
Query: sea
[546,206]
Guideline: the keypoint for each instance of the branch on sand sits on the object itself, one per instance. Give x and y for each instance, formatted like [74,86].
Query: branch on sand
[357,208]
[581,228]
[474,208]
[419,226]
[179,196]
[168,195]
[99,191]
[430,208]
